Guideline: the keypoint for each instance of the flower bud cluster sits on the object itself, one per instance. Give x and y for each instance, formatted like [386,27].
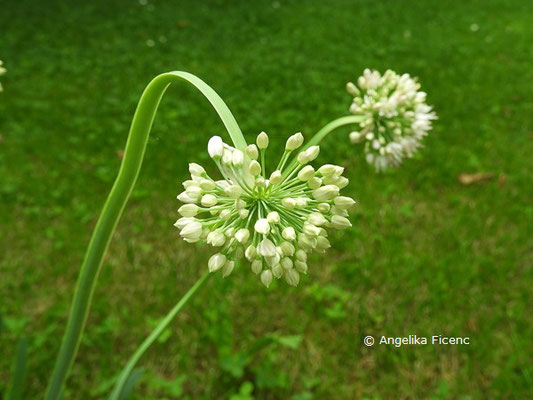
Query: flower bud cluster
[398,117]
[274,221]
[3,70]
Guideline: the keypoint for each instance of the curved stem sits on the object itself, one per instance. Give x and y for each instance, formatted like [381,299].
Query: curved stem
[327,129]
[114,205]
[115,395]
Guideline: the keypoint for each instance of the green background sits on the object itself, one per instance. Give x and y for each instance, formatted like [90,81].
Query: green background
[427,255]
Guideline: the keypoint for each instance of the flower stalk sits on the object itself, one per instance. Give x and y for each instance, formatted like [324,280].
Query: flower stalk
[114,205]
[125,373]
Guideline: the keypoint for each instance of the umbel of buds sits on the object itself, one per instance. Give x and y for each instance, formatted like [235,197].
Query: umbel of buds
[397,116]
[273,220]
[2,72]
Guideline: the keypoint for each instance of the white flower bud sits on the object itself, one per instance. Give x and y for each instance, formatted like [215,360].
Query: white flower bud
[222,184]
[311,230]
[327,170]
[244,213]
[306,173]
[185,198]
[216,262]
[286,263]
[196,169]
[301,255]
[300,202]
[225,214]
[287,249]
[275,177]
[274,260]
[208,200]
[252,152]
[289,233]
[294,141]
[302,157]
[277,271]
[227,157]
[342,182]
[352,89]
[325,193]
[301,266]
[189,183]
[317,219]
[273,217]
[242,235]
[323,207]
[306,242]
[240,204]
[356,137]
[260,182]
[180,223]
[312,153]
[250,252]
[239,253]
[339,222]
[266,277]
[229,232]
[254,168]
[339,170]
[288,202]
[194,191]
[262,226]
[343,202]
[227,269]
[322,244]
[216,238]
[266,248]
[238,158]
[257,266]
[188,210]
[192,230]
[215,147]
[262,140]
[292,277]
[314,183]
[206,184]
[233,191]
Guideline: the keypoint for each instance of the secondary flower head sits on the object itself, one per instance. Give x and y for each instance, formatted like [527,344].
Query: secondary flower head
[397,116]
[272,220]
[2,72]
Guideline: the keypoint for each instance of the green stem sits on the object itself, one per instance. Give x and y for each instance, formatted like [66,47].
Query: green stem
[327,129]
[115,395]
[114,205]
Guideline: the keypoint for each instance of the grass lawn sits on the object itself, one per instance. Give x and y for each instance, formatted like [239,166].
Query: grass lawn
[427,255]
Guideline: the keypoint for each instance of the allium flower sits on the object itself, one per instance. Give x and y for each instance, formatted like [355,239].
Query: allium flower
[273,220]
[2,72]
[397,120]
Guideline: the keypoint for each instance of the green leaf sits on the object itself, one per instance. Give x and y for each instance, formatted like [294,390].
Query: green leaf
[19,372]
[130,383]
[292,341]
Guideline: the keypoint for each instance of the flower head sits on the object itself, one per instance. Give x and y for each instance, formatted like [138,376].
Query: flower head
[397,120]
[3,70]
[271,220]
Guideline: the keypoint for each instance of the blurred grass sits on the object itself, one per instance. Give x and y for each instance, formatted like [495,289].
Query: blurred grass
[427,255]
